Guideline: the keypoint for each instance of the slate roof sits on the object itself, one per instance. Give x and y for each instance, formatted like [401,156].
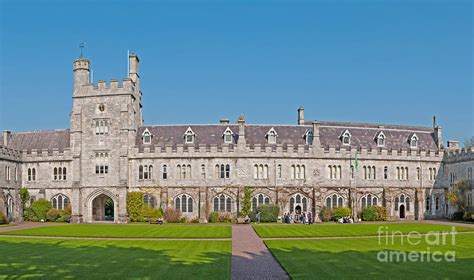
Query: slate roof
[46,139]
[363,135]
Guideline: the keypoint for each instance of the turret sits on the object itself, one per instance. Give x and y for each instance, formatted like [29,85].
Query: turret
[438,135]
[242,142]
[81,72]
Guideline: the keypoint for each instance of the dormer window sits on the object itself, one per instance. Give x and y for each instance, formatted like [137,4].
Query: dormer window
[380,139]
[146,136]
[308,137]
[272,136]
[346,137]
[189,136]
[228,136]
[414,141]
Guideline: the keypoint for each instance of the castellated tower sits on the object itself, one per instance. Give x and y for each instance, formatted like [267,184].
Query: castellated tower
[103,125]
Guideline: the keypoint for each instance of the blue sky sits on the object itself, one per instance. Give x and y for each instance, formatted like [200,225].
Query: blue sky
[361,61]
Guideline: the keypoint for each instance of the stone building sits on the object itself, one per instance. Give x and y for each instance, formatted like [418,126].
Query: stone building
[107,151]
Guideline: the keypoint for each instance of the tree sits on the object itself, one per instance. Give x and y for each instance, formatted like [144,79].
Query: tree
[25,196]
[469,142]
[247,202]
[458,195]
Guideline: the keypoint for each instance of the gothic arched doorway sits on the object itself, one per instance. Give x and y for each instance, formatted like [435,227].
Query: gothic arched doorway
[103,208]
[402,211]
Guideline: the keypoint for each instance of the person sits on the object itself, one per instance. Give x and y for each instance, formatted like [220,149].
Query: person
[340,221]
[310,218]
[259,216]
[246,219]
[256,217]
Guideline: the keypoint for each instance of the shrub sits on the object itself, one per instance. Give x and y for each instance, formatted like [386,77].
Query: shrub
[341,212]
[29,215]
[40,209]
[268,212]
[213,217]
[152,213]
[135,206]
[52,214]
[381,213]
[172,215]
[468,216]
[3,219]
[326,214]
[67,211]
[369,214]
[457,216]
[194,220]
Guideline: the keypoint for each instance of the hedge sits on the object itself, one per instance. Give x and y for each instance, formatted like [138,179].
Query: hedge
[268,213]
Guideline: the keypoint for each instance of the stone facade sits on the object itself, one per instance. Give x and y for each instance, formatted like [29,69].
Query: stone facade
[108,151]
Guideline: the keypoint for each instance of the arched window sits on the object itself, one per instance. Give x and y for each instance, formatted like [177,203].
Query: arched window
[279,171]
[334,201]
[346,138]
[184,203]
[368,200]
[298,202]
[140,172]
[164,172]
[255,171]
[64,173]
[9,206]
[146,137]
[271,136]
[228,135]
[222,203]
[145,172]
[402,199]
[189,136]
[149,200]
[414,141]
[381,139]
[55,173]
[258,200]
[437,203]
[60,202]
[428,204]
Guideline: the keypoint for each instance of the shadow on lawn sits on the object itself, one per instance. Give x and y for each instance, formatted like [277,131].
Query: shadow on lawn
[60,259]
[312,264]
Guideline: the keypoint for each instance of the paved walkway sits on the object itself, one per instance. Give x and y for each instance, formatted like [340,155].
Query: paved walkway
[27,225]
[251,259]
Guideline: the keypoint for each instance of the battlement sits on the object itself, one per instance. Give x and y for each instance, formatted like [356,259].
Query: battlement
[459,155]
[127,86]
[279,150]
[9,154]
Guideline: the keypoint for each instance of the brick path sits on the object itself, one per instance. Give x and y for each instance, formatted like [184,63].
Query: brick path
[251,259]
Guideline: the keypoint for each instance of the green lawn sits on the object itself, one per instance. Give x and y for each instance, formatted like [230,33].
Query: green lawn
[357,258]
[128,231]
[113,259]
[320,230]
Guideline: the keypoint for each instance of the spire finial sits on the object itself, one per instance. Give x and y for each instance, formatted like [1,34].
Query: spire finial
[81,46]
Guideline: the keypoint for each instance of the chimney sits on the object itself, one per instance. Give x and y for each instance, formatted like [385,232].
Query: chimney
[224,121]
[6,137]
[316,141]
[438,134]
[301,115]
[241,121]
[453,145]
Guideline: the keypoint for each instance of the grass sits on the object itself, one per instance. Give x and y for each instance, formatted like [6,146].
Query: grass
[127,231]
[269,231]
[357,258]
[113,259]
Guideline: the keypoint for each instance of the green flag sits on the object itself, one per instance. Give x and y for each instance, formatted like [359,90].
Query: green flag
[356,162]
